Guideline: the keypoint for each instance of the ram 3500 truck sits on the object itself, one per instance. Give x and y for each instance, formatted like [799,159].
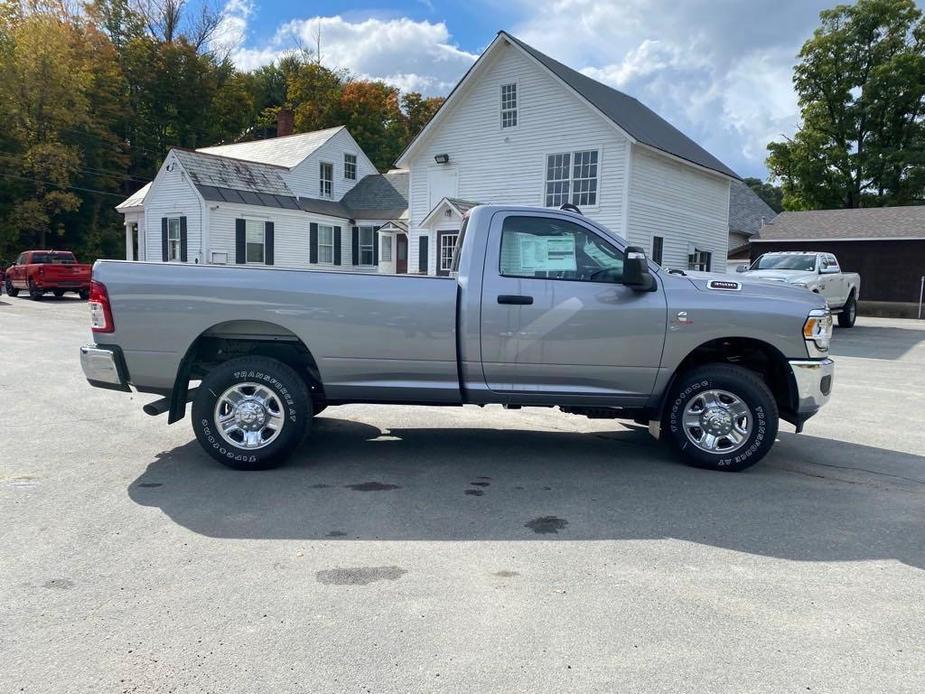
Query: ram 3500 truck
[817,272]
[543,308]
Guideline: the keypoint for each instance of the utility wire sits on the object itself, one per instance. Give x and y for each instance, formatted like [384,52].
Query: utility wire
[58,185]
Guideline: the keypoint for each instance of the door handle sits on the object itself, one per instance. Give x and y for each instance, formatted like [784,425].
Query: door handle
[516,299]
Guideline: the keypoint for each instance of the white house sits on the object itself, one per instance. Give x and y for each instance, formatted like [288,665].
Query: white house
[519,127]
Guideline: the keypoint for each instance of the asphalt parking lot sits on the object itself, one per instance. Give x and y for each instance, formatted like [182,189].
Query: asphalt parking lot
[456,550]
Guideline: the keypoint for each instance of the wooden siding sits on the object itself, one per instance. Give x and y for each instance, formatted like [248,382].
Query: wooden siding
[508,165]
[173,195]
[304,179]
[684,206]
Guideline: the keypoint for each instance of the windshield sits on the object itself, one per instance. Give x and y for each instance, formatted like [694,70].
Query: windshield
[806,263]
[55,258]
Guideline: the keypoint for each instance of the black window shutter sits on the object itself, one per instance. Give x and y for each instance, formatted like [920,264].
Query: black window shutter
[269,234]
[164,250]
[337,245]
[422,254]
[240,242]
[376,247]
[183,239]
[356,245]
[313,242]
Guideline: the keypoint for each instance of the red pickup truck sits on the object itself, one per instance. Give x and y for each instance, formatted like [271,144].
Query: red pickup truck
[38,272]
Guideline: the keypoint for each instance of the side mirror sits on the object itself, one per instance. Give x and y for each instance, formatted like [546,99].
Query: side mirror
[636,273]
[741,268]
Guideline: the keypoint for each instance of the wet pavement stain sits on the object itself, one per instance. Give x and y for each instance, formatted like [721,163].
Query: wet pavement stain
[59,584]
[372,487]
[546,524]
[480,484]
[336,533]
[150,485]
[359,575]
[506,574]
[320,485]
[474,492]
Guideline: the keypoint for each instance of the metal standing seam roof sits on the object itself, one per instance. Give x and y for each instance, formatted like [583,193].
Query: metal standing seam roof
[136,199]
[287,151]
[864,223]
[641,122]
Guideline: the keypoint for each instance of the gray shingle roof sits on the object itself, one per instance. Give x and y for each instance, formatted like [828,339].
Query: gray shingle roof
[641,122]
[463,205]
[222,172]
[379,196]
[287,151]
[747,212]
[866,223]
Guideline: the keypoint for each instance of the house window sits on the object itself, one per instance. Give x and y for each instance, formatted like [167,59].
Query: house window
[699,260]
[657,243]
[327,180]
[350,166]
[173,239]
[367,240]
[325,244]
[447,248]
[386,254]
[509,105]
[255,239]
[572,177]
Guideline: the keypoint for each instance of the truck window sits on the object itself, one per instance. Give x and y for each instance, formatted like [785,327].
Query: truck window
[806,263]
[544,248]
[53,258]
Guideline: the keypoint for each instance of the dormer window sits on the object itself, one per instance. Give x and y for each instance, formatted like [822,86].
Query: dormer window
[350,167]
[326,179]
[509,105]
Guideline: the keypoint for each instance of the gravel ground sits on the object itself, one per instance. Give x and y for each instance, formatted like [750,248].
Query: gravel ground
[456,550]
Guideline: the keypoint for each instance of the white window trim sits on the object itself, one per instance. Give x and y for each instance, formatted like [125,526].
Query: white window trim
[441,235]
[355,166]
[322,164]
[385,244]
[263,230]
[516,108]
[326,245]
[371,245]
[170,242]
[571,150]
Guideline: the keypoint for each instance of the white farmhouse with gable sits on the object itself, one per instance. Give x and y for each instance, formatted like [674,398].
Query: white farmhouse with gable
[523,128]
[519,128]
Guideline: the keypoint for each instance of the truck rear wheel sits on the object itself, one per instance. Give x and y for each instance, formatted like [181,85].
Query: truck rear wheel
[849,312]
[250,413]
[721,417]
[11,290]
[34,292]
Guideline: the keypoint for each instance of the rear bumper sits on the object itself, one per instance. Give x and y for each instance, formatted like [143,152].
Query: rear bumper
[814,379]
[104,367]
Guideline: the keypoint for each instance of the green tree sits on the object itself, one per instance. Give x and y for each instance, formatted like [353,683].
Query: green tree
[371,112]
[419,110]
[861,88]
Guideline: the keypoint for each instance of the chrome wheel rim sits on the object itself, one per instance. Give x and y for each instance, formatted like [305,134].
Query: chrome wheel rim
[249,415]
[716,421]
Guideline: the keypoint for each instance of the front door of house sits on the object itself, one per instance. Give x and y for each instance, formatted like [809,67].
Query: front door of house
[446,245]
[401,253]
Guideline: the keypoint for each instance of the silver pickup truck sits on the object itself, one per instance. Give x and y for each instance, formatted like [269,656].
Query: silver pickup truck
[543,308]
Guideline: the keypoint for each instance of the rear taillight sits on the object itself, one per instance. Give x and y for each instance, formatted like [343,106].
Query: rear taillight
[100,311]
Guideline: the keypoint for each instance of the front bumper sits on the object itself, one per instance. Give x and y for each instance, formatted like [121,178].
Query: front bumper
[814,379]
[104,367]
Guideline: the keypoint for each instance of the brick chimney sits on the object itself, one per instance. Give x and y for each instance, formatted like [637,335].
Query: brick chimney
[285,122]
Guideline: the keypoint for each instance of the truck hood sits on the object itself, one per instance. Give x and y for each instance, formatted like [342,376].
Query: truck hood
[757,287]
[778,275]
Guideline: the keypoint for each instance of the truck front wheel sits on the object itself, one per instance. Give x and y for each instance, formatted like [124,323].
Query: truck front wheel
[721,417]
[250,413]
[849,312]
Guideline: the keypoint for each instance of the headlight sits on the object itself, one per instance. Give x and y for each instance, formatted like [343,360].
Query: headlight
[817,330]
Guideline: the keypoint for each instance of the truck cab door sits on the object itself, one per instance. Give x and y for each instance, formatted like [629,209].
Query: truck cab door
[557,325]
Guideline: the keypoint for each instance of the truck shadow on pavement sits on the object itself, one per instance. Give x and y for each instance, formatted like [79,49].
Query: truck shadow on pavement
[812,499]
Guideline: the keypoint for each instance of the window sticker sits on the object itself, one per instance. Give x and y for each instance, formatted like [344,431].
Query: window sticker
[547,253]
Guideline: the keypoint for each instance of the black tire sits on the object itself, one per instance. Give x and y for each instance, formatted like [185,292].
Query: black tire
[34,292]
[849,312]
[11,290]
[58,292]
[284,383]
[745,385]
[84,294]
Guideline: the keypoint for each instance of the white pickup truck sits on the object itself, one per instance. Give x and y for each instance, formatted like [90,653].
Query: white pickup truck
[818,272]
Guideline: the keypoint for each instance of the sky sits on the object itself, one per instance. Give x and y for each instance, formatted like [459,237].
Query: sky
[719,70]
